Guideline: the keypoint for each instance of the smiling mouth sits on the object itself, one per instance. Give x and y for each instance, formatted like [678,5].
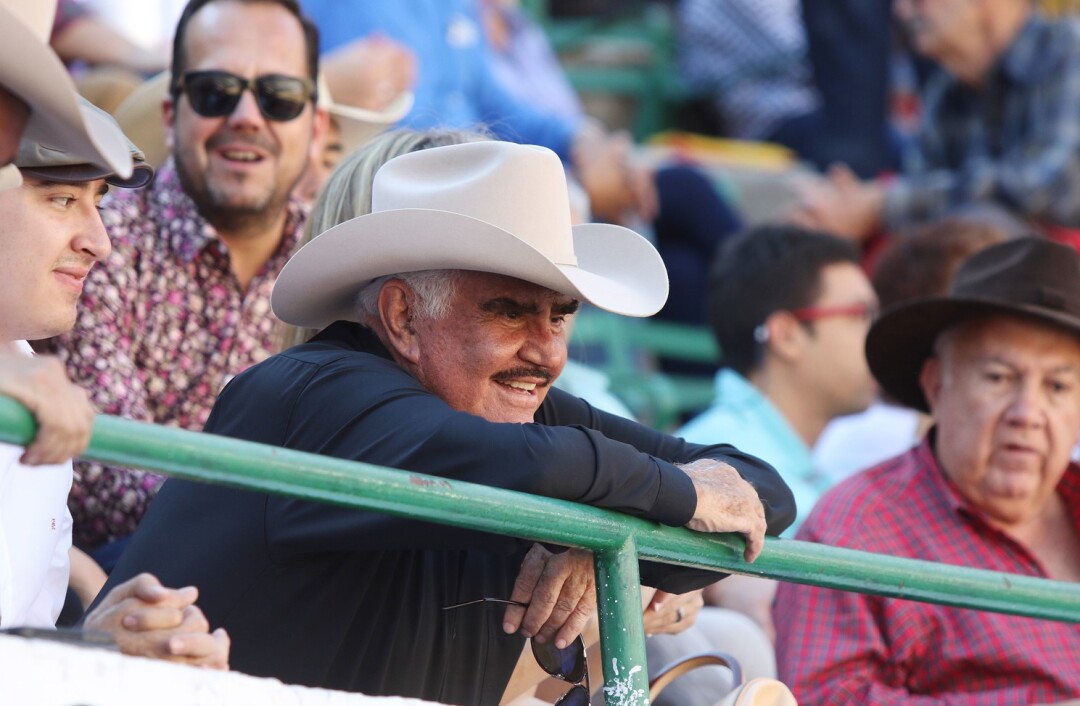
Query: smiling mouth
[523,386]
[244,156]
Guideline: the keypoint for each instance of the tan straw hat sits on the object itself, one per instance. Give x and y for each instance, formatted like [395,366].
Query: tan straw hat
[31,70]
[485,206]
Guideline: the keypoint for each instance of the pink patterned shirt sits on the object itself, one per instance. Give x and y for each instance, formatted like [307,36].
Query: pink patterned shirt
[163,324]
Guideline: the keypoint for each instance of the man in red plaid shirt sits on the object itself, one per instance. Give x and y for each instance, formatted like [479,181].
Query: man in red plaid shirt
[997,363]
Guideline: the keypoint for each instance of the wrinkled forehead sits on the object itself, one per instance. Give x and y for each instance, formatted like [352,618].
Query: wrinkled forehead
[1008,338]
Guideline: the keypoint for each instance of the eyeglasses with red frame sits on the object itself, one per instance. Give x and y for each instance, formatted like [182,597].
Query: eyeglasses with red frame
[863,310]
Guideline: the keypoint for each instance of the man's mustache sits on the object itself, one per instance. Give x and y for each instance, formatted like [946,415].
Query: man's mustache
[524,372]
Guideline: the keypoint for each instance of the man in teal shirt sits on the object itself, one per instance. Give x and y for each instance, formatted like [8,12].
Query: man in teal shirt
[790,309]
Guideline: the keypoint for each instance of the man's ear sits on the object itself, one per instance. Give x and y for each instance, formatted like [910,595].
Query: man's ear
[396,315]
[320,125]
[784,335]
[168,117]
[930,381]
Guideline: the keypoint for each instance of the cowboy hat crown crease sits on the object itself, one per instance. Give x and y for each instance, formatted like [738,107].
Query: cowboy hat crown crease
[431,215]
[489,183]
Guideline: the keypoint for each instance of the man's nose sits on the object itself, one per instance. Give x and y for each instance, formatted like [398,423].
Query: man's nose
[545,346]
[246,111]
[1027,407]
[93,239]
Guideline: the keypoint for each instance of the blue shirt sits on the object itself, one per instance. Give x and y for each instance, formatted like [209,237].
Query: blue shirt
[455,85]
[741,415]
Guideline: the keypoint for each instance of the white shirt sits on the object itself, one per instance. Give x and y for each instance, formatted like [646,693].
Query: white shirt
[35,536]
[859,441]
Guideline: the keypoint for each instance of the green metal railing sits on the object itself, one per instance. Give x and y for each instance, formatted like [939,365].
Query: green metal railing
[616,540]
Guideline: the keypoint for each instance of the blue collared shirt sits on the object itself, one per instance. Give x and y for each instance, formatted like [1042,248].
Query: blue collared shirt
[742,416]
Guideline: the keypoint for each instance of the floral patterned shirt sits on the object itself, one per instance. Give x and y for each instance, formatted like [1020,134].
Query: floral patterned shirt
[163,324]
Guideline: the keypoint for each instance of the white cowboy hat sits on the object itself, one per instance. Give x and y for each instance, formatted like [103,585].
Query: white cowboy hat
[140,117]
[356,126]
[485,206]
[31,70]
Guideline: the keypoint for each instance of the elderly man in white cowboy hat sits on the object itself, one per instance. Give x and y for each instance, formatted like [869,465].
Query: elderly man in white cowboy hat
[997,363]
[445,314]
[52,237]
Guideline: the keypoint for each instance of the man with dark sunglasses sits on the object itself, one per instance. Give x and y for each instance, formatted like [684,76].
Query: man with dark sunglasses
[184,303]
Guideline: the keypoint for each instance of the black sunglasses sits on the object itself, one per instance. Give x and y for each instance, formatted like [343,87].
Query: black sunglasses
[568,664]
[215,94]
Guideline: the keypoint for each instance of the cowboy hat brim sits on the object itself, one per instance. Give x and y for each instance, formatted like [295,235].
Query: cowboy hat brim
[357,126]
[31,70]
[903,338]
[617,270]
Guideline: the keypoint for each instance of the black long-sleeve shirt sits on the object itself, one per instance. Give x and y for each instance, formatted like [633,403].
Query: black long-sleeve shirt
[329,596]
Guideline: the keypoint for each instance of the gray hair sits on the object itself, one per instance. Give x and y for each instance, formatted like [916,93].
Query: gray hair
[347,194]
[433,289]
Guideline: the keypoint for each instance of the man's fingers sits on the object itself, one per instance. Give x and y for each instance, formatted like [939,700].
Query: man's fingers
[568,582]
[532,567]
[542,602]
[577,620]
[154,617]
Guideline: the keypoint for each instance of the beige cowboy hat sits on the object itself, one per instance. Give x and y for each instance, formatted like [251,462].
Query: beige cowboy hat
[485,206]
[48,163]
[31,70]
[356,126]
[140,117]
[1029,277]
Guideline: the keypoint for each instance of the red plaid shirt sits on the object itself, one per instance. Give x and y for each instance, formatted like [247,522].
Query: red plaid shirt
[835,647]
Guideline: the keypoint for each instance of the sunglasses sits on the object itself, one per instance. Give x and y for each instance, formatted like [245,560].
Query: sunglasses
[568,664]
[215,94]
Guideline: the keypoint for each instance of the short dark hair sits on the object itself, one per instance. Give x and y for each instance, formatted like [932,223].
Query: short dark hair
[179,58]
[768,269]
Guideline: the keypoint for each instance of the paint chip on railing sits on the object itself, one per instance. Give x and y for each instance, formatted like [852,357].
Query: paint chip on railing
[621,692]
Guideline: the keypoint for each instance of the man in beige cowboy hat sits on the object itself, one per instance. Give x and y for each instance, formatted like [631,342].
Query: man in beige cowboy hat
[38,98]
[445,314]
[52,236]
[997,364]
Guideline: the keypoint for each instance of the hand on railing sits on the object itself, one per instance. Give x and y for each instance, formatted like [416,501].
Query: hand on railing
[148,620]
[560,590]
[726,503]
[61,409]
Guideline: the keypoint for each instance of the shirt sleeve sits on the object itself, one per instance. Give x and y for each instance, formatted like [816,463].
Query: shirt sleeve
[577,453]
[1037,173]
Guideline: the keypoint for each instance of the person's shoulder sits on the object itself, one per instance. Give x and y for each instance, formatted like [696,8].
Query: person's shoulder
[869,503]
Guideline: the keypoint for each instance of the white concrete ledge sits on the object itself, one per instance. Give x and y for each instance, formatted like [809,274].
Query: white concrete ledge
[36,672]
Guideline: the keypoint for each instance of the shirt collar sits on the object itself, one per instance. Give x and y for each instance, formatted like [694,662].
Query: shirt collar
[737,393]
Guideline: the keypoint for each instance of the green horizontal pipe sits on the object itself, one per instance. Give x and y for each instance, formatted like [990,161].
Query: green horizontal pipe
[215,459]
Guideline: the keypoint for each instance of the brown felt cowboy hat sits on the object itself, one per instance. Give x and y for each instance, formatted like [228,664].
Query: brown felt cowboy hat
[1028,277]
